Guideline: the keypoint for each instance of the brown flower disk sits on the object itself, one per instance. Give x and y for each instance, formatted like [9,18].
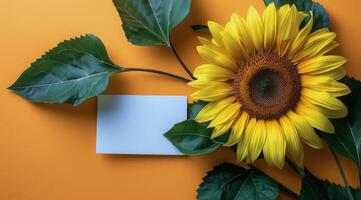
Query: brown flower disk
[267,85]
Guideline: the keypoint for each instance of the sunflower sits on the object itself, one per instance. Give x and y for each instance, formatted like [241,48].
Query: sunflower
[269,83]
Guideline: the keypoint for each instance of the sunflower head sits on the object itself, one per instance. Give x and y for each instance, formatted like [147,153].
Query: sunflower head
[270,83]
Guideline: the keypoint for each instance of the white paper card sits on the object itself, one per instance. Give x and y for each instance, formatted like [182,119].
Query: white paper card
[134,124]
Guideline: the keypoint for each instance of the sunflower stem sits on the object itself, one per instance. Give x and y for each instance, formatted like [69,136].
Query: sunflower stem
[174,51]
[283,187]
[156,72]
[295,168]
[342,173]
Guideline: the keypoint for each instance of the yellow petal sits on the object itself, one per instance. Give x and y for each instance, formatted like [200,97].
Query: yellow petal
[256,28]
[275,145]
[215,91]
[232,29]
[301,16]
[213,72]
[242,147]
[333,114]
[221,129]
[219,58]
[216,30]
[336,74]
[329,113]
[320,31]
[314,44]
[270,26]
[327,48]
[321,65]
[301,37]
[323,99]
[283,13]
[227,114]
[257,140]
[294,145]
[305,130]
[207,43]
[315,118]
[198,83]
[324,83]
[209,111]
[244,34]
[233,46]
[237,130]
[288,27]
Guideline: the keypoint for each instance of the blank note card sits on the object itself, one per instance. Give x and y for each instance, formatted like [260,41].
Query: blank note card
[134,124]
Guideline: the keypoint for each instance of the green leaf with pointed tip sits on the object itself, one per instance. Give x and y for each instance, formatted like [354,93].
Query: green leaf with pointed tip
[149,22]
[72,72]
[232,182]
[320,16]
[315,189]
[347,138]
[198,27]
[191,138]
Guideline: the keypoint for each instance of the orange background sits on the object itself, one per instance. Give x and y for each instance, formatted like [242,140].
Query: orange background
[48,151]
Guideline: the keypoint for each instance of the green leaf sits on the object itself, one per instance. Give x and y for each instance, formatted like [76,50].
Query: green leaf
[199,27]
[320,16]
[347,140]
[149,22]
[315,189]
[191,138]
[72,72]
[302,5]
[232,182]
[223,138]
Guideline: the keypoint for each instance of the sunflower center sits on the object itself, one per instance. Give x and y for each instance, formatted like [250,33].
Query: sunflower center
[267,86]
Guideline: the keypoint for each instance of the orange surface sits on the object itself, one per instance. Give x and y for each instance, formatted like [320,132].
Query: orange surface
[48,151]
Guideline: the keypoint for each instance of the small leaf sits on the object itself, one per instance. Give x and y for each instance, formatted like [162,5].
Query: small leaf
[72,72]
[320,16]
[191,138]
[315,189]
[199,27]
[232,182]
[149,22]
[347,140]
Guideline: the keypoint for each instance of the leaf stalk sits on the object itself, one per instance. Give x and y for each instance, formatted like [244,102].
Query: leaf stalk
[295,168]
[156,72]
[174,51]
[342,173]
